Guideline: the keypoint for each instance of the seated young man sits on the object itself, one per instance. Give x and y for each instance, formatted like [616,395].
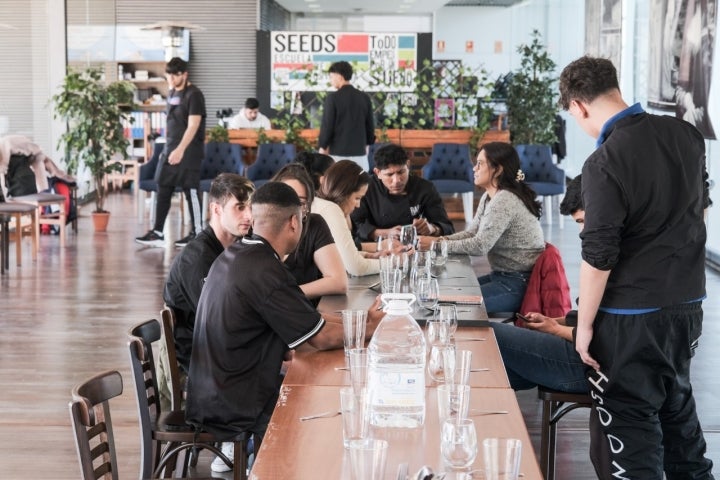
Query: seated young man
[396,198]
[247,324]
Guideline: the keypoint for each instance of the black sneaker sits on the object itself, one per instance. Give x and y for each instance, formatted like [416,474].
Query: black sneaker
[151,239]
[184,241]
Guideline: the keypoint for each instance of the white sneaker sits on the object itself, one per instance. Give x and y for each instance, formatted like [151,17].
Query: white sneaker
[218,466]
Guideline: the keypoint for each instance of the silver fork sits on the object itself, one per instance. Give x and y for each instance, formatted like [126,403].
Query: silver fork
[328,414]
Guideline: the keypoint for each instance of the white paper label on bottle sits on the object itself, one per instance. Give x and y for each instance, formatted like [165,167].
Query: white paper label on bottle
[397,388]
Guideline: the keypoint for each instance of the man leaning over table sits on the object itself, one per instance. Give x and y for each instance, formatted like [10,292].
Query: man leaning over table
[250,117]
[247,323]
[396,198]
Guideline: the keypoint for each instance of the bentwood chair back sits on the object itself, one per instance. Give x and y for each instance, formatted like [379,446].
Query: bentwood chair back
[167,317]
[92,425]
[165,435]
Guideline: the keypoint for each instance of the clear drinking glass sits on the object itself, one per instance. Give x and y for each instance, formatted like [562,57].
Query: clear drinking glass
[447,312]
[422,259]
[458,442]
[415,275]
[439,248]
[436,333]
[428,292]
[408,236]
[441,364]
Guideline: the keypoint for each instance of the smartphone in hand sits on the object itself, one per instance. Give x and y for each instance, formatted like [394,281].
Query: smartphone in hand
[523,317]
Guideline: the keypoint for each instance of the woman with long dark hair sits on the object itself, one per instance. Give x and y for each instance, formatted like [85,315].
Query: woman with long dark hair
[343,186]
[506,228]
[316,263]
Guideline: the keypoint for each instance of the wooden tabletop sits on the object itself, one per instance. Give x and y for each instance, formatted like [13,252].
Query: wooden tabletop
[314,449]
[323,368]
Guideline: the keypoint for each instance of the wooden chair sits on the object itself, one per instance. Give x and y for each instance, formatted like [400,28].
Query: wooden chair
[90,416]
[556,405]
[167,318]
[15,211]
[47,218]
[165,435]
[92,425]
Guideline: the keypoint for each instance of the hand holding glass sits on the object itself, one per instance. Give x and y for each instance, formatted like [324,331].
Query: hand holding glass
[439,248]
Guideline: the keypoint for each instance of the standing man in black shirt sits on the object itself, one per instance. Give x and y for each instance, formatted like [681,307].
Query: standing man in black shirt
[184,151]
[642,278]
[347,127]
[247,323]
[396,198]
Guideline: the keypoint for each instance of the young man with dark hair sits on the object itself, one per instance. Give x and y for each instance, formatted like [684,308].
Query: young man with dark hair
[642,277]
[246,325]
[396,198]
[250,116]
[183,154]
[347,127]
[572,201]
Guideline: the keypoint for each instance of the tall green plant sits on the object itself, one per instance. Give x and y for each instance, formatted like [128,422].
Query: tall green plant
[531,99]
[94,115]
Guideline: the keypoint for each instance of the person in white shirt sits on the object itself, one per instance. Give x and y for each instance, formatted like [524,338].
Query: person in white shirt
[250,117]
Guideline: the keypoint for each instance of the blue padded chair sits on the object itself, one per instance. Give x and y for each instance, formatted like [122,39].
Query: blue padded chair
[271,157]
[371,155]
[542,175]
[451,171]
[219,158]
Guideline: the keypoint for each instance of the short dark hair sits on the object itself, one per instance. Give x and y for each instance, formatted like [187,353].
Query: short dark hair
[252,103]
[585,79]
[343,179]
[227,185]
[316,165]
[388,155]
[342,68]
[277,194]
[573,197]
[176,65]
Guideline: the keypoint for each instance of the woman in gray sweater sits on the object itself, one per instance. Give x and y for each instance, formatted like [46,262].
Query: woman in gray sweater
[505,228]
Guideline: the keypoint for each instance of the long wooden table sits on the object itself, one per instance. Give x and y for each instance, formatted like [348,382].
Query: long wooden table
[314,449]
[294,450]
[327,368]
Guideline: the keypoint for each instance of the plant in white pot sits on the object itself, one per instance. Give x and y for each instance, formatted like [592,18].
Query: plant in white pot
[94,111]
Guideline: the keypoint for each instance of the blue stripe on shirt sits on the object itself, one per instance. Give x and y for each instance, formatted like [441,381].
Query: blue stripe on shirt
[640,311]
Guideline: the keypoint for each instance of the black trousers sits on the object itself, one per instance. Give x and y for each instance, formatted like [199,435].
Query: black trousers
[643,398]
[162,207]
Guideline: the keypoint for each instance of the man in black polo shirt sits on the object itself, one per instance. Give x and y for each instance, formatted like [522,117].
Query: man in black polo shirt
[250,315]
[230,218]
[642,278]
[396,198]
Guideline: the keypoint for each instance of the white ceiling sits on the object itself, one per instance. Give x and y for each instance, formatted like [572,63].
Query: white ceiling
[366,7]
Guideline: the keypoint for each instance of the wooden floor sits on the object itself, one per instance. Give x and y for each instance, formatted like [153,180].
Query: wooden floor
[65,318]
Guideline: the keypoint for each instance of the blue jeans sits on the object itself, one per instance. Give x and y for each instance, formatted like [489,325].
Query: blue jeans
[503,291]
[535,358]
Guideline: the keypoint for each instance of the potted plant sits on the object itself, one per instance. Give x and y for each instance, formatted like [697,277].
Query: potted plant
[94,112]
[531,96]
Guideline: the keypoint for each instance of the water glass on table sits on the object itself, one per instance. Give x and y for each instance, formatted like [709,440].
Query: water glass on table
[358,359]
[422,259]
[390,279]
[458,372]
[428,292]
[458,442]
[447,312]
[501,457]
[453,402]
[441,363]
[439,249]
[354,323]
[368,460]
[355,415]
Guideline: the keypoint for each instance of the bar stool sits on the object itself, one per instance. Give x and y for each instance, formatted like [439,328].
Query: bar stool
[556,405]
[12,210]
[50,218]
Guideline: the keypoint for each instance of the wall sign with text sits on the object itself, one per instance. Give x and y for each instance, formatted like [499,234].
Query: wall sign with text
[381,61]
